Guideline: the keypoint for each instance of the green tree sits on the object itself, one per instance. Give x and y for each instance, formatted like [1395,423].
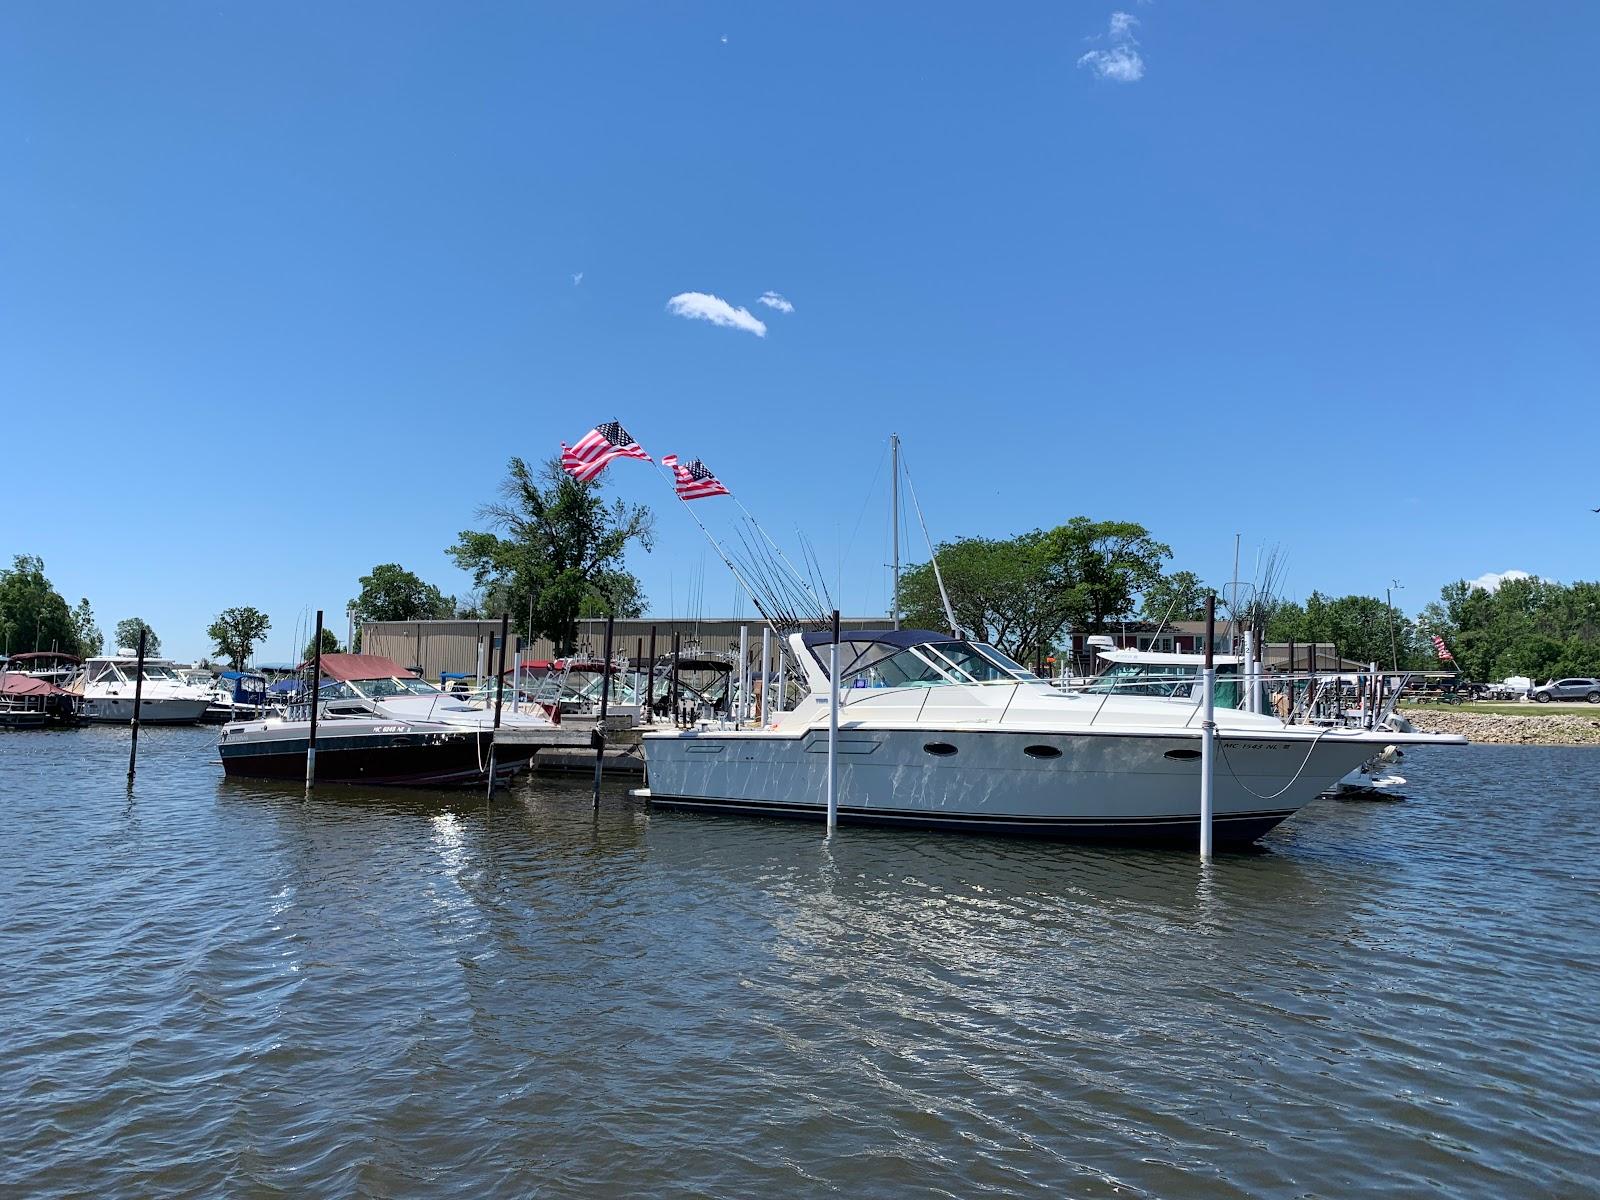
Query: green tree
[1107,564]
[236,632]
[1001,591]
[1179,596]
[1527,626]
[392,593]
[33,615]
[558,545]
[128,636]
[330,645]
[1358,625]
[1020,593]
[90,640]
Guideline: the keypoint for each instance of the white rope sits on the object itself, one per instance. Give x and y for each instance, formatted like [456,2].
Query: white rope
[1309,750]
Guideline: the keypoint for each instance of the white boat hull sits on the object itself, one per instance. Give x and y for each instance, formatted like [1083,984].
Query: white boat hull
[118,710]
[1103,785]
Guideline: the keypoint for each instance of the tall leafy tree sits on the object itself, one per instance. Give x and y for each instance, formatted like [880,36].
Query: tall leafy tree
[330,645]
[236,632]
[33,615]
[128,636]
[391,593]
[90,639]
[554,546]
[1107,564]
[1358,625]
[1020,593]
[1179,596]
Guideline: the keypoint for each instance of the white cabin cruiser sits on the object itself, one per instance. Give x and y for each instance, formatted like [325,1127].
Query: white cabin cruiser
[107,685]
[939,732]
[390,690]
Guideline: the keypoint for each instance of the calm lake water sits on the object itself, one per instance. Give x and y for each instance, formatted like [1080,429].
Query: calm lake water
[215,988]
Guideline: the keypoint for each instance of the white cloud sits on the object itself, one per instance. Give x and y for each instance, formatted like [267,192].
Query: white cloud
[775,300]
[1491,581]
[577,279]
[1121,63]
[702,306]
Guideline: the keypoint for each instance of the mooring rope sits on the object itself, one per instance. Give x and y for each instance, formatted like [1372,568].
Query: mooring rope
[1304,763]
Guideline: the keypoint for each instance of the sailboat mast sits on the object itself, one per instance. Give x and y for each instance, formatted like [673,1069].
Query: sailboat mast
[894,519]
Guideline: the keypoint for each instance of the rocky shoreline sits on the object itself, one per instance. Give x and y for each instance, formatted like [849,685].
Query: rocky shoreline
[1557,729]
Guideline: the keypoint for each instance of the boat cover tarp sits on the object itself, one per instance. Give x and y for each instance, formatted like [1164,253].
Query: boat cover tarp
[26,685]
[345,667]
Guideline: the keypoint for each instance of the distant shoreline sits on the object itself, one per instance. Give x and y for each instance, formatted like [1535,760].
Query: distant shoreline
[1503,729]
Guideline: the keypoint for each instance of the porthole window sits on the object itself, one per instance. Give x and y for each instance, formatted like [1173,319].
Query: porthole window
[1042,752]
[942,749]
[1183,755]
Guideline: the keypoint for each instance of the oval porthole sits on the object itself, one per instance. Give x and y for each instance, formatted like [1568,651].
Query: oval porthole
[942,749]
[1183,755]
[1042,752]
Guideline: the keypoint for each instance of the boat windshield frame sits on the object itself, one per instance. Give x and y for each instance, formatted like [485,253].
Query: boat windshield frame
[948,663]
[393,687]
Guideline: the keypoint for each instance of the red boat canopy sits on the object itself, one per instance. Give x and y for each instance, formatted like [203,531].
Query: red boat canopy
[361,666]
[26,685]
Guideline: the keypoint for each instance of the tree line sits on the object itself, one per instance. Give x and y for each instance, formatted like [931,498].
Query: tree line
[553,548]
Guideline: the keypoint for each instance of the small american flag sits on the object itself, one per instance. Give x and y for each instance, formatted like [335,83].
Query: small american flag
[1442,650]
[597,448]
[695,481]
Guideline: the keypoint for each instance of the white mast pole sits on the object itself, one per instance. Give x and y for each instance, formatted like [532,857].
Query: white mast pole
[743,712]
[1208,732]
[894,507]
[766,660]
[833,728]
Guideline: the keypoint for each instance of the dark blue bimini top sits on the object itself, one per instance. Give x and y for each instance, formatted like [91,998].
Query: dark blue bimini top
[889,637]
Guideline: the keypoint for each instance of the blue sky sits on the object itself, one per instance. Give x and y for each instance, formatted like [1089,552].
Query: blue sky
[282,286]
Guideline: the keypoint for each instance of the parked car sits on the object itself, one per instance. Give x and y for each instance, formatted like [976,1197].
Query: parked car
[1568,689]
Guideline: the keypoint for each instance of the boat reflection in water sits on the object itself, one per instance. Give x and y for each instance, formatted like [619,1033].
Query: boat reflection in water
[941,732]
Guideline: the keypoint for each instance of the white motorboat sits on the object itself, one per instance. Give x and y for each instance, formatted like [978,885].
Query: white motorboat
[393,691]
[107,685]
[940,732]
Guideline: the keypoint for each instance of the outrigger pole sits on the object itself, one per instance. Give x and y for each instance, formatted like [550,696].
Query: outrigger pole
[944,596]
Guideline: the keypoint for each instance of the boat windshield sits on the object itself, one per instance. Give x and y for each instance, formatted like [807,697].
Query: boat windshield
[929,665]
[153,671]
[384,689]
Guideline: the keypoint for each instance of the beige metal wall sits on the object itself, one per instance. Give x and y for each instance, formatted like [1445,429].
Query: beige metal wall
[438,646]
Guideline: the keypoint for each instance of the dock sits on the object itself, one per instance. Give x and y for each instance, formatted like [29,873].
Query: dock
[569,746]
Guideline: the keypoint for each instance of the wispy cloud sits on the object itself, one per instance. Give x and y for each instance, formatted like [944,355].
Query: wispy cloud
[577,279]
[1120,62]
[1491,581]
[702,306]
[775,300]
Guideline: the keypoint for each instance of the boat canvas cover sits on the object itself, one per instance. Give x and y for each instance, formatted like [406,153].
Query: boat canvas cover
[27,685]
[346,667]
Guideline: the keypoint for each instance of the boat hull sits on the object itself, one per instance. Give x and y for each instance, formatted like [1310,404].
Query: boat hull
[1080,786]
[399,759]
[118,710]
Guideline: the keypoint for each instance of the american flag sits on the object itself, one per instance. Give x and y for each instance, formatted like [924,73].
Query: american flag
[597,448]
[695,481]
[1442,650]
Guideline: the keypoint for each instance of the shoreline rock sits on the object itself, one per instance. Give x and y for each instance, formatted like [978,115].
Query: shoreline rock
[1497,729]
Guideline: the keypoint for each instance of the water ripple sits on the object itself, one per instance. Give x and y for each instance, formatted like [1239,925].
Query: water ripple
[222,988]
